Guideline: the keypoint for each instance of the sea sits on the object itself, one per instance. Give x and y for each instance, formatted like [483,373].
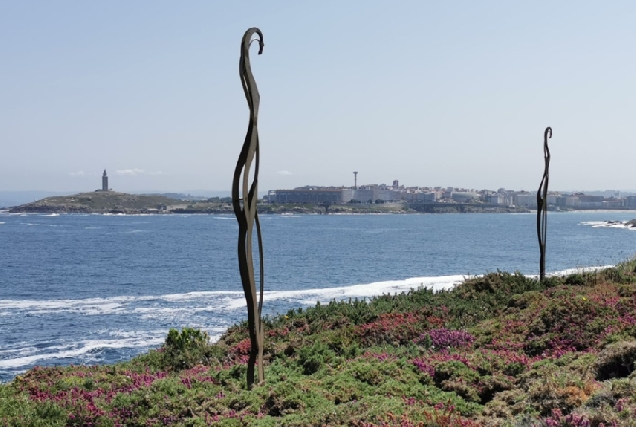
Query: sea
[97,289]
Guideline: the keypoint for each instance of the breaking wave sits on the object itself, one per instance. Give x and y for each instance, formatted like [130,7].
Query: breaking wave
[212,311]
[610,224]
[77,350]
[219,300]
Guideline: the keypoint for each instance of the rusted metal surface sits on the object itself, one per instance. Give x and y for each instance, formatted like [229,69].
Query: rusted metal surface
[542,203]
[244,204]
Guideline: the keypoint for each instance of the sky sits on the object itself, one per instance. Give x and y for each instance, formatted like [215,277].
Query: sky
[429,93]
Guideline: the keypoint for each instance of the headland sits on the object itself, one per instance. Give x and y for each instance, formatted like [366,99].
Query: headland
[100,202]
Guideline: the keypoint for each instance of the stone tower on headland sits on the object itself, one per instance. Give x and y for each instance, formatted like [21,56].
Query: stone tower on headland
[104,181]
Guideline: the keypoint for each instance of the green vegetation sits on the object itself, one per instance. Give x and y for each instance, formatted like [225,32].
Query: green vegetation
[100,202]
[499,350]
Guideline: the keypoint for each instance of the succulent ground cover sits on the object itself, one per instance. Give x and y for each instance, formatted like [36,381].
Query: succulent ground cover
[498,350]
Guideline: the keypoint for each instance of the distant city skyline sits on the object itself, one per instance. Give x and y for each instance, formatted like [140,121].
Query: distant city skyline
[16,197]
[102,179]
[437,93]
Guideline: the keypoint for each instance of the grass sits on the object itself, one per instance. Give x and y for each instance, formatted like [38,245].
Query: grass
[498,350]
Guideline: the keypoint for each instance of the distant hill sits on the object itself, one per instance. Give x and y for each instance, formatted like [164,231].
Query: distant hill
[101,202]
[15,198]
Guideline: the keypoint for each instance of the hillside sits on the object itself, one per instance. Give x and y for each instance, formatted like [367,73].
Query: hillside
[99,202]
[498,350]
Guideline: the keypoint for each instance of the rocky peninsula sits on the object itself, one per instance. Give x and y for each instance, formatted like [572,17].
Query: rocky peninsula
[101,202]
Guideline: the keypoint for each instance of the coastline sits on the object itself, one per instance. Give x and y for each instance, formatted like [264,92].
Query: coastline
[110,202]
[15,211]
[487,352]
[305,298]
[263,210]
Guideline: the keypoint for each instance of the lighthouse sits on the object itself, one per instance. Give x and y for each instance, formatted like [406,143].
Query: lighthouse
[104,181]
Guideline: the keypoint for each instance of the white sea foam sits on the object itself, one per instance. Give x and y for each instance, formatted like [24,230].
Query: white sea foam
[577,270]
[1,223]
[20,356]
[363,291]
[197,295]
[133,334]
[215,301]
[173,310]
[65,303]
[154,306]
[608,224]
[20,351]
[53,214]
[85,347]
[26,354]
[584,269]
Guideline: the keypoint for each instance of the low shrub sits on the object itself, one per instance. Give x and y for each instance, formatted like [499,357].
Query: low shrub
[502,350]
[616,361]
[185,349]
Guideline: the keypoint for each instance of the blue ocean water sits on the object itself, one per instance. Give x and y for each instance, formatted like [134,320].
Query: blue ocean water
[99,289]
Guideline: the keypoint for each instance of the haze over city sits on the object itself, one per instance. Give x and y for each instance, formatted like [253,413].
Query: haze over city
[445,94]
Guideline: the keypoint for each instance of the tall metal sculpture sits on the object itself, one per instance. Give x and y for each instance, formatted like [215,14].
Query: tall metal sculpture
[542,203]
[245,211]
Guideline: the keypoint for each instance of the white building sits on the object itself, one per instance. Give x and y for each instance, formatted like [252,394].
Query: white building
[528,200]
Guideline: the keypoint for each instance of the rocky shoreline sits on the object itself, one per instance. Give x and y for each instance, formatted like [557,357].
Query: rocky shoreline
[129,204]
[52,209]
[612,224]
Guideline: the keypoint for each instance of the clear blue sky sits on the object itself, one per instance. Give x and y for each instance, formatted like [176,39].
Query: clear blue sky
[431,93]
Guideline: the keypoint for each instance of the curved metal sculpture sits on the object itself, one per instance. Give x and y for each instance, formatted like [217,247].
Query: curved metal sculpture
[542,203]
[245,211]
